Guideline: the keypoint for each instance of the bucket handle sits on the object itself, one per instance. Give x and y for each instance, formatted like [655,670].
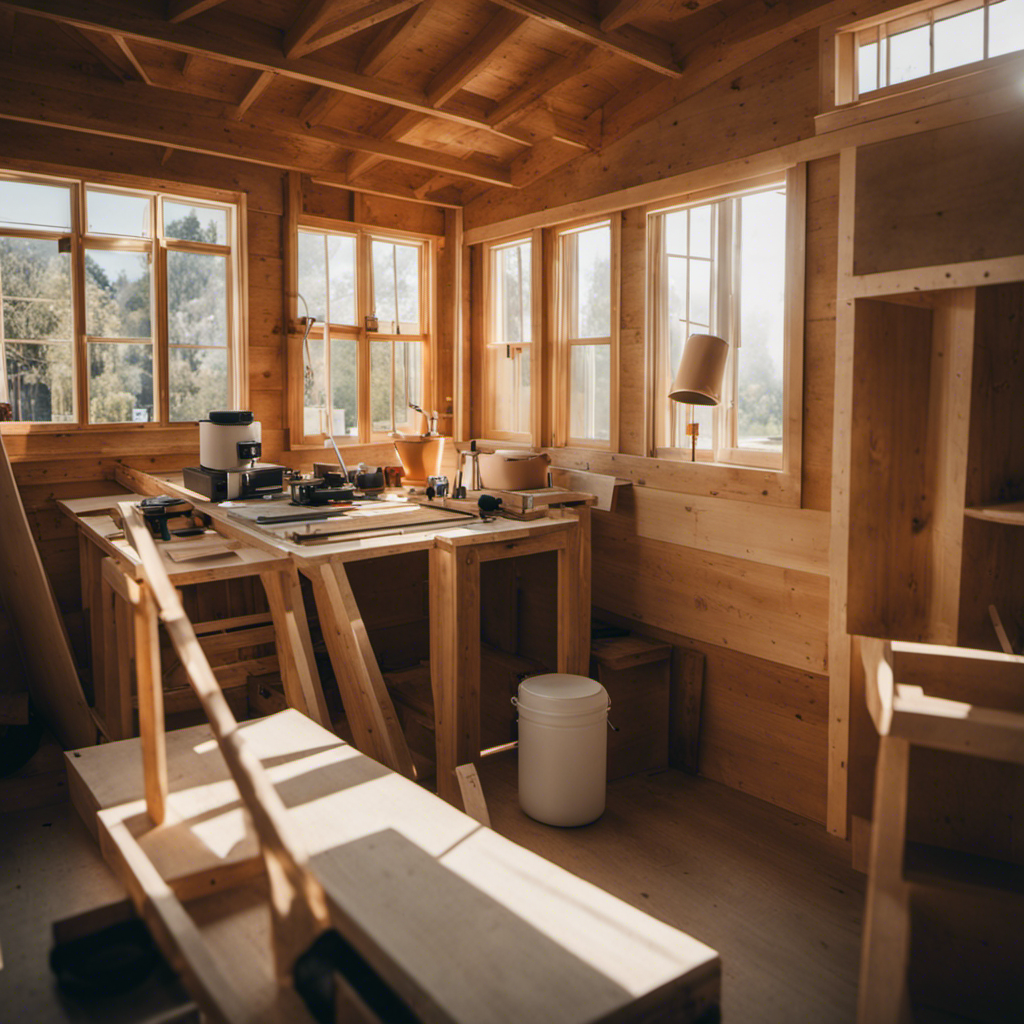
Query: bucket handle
[614,728]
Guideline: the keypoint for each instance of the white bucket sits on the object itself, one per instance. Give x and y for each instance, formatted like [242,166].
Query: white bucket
[563,748]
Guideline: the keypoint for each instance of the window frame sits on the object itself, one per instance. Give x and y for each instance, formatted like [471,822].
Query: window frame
[724,452]
[79,240]
[564,276]
[846,85]
[494,343]
[365,235]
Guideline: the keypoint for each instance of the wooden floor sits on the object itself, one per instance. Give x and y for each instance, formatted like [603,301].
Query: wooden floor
[773,893]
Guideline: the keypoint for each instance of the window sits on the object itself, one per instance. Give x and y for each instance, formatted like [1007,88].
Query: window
[118,305]
[509,301]
[725,265]
[588,331]
[364,358]
[924,40]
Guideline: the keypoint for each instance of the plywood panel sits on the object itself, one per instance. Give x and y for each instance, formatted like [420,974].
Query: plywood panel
[787,537]
[777,614]
[946,196]
[890,497]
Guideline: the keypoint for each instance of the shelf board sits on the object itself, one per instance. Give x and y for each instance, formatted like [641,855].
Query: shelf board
[937,866]
[1011,513]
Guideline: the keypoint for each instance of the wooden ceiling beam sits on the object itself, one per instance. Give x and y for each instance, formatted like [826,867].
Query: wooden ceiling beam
[179,10]
[322,103]
[253,93]
[122,45]
[242,43]
[103,49]
[394,125]
[392,37]
[198,125]
[580,59]
[355,21]
[313,17]
[622,13]
[474,56]
[748,34]
[629,42]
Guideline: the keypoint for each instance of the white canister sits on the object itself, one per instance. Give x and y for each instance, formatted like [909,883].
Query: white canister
[563,748]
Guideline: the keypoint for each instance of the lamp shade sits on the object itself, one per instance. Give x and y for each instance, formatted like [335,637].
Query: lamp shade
[699,377]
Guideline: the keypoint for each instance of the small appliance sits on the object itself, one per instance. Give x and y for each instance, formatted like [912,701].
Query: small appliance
[229,447]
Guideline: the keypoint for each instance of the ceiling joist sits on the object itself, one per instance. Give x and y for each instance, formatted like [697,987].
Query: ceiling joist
[392,37]
[243,44]
[179,10]
[355,21]
[629,42]
[103,48]
[253,93]
[622,13]
[474,56]
[121,43]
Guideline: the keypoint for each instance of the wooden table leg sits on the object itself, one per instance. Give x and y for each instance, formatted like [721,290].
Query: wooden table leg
[368,708]
[301,680]
[114,699]
[574,598]
[455,662]
[885,949]
[151,704]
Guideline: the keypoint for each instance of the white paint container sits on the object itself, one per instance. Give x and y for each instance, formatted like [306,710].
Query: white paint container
[563,748]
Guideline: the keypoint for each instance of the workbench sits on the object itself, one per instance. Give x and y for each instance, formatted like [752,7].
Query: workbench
[455,555]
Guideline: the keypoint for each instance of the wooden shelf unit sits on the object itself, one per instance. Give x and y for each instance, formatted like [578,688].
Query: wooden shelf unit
[936,444]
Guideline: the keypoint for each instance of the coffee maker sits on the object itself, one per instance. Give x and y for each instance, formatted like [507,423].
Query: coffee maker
[229,449]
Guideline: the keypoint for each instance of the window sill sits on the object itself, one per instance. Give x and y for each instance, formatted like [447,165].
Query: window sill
[719,480]
[957,84]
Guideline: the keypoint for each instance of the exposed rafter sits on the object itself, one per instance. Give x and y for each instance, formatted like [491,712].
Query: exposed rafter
[628,42]
[322,103]
[354,21]
[622,13]
[313,17]
[122,45]
[580,59]
[197,125]
[393,35]
[474,56]
[394,125]
[179,10]
[104,49]
[244,45]
[253,93]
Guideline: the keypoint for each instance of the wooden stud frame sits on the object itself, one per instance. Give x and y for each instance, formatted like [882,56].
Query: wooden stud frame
[364,236]
[492,345]
[563,279]
[156,246]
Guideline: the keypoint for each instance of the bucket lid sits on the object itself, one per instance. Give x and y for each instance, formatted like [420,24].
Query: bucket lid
[560,694]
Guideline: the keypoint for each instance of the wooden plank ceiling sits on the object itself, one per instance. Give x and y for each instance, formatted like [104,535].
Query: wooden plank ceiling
[437,100]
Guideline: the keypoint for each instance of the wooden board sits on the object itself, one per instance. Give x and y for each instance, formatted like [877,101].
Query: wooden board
[524,940]
[28,598]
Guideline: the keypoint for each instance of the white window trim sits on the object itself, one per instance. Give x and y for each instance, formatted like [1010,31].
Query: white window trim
[495,348]
[234,204]
[365,235]
[789,462]
[564,284]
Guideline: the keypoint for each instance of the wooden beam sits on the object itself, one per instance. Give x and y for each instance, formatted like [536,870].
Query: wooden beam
[196,126]
[123,46]
[243,44]
[583,57]
[253,93]
[167,154]
[432,185]
[630,43]
[393,125]
[99,46]
[179,10]
[353,22]
[314,15]
[622,13]
[749,33]
[474,56]
[322,103]
[392,37]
